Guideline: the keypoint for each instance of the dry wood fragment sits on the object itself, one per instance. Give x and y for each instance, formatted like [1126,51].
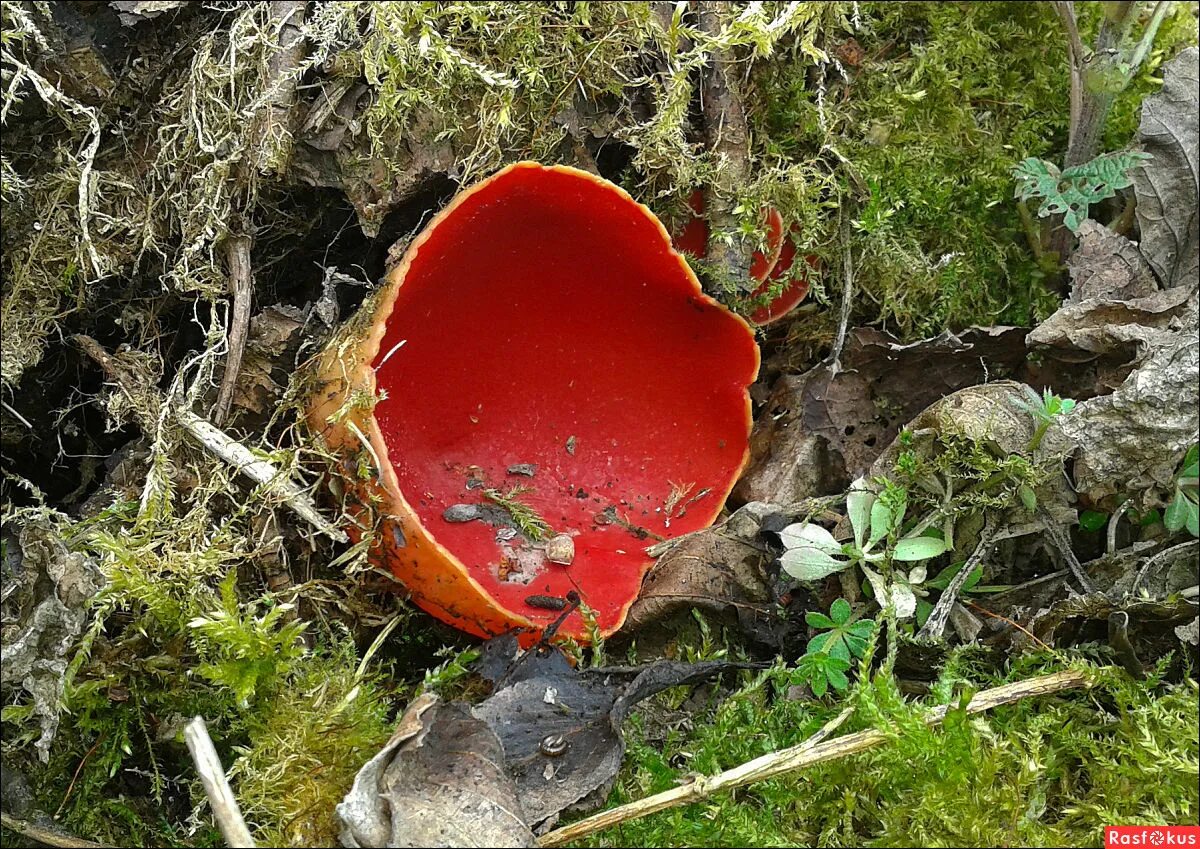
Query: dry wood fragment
[47,836]
[241,287]
[239,456]
[799,757]
[212,775]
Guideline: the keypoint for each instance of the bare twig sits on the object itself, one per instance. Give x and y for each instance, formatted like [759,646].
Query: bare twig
[839,342]
[46,836]
[1063,544]
[282,77]
[261,471]
[935,625]
[800,757]
[1162,555]
[241,287]
[1066,14]
[212,775]
[729,139]
[1113,522]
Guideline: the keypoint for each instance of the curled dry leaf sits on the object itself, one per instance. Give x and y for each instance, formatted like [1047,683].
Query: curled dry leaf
[440,781]
[1167,185]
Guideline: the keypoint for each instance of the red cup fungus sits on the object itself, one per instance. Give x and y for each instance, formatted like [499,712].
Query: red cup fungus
[767,268]
[538,392]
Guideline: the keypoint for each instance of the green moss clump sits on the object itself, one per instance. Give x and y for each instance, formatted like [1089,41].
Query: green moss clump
[292,707]
[946,99]
[1046,772]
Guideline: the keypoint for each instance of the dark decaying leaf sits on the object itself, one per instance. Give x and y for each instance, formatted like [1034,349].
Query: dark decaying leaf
[1166,186]
[820,430]
[440,781]
[547,738]
[713,571]
[543,701]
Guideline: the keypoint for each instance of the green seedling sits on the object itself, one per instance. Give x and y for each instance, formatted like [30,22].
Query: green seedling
[1072,191]
[812,552]
[1044,410]
[830,653]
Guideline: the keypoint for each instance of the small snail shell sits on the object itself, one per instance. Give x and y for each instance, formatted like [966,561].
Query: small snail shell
[560,549]
[554,745]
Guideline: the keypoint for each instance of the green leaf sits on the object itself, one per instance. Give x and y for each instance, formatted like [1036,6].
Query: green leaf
[819,620]
[810,564]
[918,548]
[817,643]
[837,677]
[882,521]
[858,507]
[862,629]
[1175,516]
[924,608]
[840,611]
[838,648]
[1092,520]
[1028,497]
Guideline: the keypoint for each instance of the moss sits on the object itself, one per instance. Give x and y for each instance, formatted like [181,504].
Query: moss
[947,99]
[1047,772]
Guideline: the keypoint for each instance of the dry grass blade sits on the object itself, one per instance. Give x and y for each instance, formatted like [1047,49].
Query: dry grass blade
[799,757]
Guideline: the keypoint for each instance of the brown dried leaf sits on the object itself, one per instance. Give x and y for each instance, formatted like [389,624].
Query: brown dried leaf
[1167,185]
[440,781]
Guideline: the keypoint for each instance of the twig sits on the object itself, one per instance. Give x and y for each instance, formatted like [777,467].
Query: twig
[284,70]
[216,785]
[16,415]
[1064,547]
[75,777]
[1012,622]
[1113,522]
[261,471]
[47,836]
[728,139]
[801,757]
[839,342]
[1075,53]
[935,625]
[1145,570]
[241,286]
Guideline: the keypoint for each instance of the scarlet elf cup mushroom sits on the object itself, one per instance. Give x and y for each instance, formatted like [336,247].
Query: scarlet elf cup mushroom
[538,391]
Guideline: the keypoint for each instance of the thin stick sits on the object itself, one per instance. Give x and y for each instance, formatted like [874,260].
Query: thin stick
[241,286]
[216,786]
[261,471]
[1064,548]
[75,777]
[935,625]
[1162,555]
[801,757]
[839,342]
[46,836]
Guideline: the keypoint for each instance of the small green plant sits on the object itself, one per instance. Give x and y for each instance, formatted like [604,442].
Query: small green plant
[1070,192]
[528,521]
[812,552]
[1183,511]
[830,653]
[1044,409]
[246,649]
